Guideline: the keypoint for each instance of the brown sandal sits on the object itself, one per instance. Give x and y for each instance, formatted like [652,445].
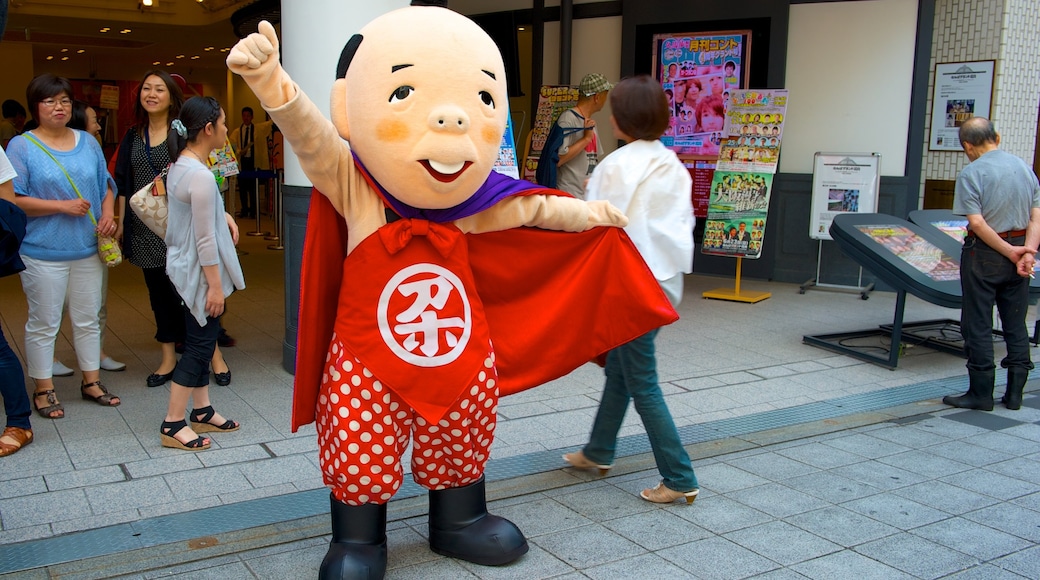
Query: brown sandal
[53,407]
[21,437]
[104,399]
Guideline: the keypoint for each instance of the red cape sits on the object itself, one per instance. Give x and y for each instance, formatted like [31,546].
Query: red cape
[553,300]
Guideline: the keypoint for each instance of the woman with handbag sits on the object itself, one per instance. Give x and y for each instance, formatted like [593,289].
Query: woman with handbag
[145,152]
[203,265]
[64,187]
[18,432]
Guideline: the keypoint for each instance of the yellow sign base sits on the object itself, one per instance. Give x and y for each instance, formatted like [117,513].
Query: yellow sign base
[736,295]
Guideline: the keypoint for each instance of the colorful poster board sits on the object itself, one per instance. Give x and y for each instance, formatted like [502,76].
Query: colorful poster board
[962,90]
[737,212]
[698,71]
[922,255]
[506,163]
[842,183]
[552,101]
[753,130]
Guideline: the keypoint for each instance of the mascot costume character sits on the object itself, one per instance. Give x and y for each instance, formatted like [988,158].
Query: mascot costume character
[431,285]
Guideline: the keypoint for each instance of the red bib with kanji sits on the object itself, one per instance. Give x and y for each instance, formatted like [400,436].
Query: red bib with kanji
[411,313]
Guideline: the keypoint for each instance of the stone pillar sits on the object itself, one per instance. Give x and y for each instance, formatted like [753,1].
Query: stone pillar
[1007,31]
[313,34]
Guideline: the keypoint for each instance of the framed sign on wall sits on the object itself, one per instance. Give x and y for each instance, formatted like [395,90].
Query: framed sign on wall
[962,90]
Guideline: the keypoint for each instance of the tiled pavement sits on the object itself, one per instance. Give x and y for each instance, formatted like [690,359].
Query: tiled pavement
[812,464]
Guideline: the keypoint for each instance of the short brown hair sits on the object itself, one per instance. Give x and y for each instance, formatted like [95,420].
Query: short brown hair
[640,108]
[44,87]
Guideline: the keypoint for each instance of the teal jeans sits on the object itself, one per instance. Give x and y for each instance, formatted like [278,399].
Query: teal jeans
[632,375]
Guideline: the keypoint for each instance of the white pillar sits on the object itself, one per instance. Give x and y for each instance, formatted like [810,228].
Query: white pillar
[313,35]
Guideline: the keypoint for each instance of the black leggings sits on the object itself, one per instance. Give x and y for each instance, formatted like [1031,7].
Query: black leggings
[199,344]
[166,305]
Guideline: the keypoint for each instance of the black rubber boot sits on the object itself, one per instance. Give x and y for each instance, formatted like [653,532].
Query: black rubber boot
[358,547]
[461,528]
[1016,383]
[980,392]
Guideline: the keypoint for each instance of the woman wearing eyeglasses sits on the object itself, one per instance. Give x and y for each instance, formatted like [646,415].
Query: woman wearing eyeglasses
[64,188]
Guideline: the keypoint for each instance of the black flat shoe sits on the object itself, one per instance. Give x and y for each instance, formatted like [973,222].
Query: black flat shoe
[155,380]
[223,379]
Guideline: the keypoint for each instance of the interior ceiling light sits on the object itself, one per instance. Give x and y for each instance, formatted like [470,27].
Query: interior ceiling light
[228,49]
[105,29]
[156,63]
[125,31]
[80,51]
[147,3]
[208,48]
[169,63]
[196,57]
[64,50]
[64,58]
[50,58]
[180,56]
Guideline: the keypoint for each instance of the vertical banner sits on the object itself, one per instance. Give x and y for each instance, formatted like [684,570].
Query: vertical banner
[842,183]
[506,163]
[737,214]
[753,131]
[552,101]
[702,173]
[962,90]
[698,71]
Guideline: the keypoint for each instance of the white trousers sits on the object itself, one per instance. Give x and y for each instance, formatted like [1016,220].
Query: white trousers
[45,285]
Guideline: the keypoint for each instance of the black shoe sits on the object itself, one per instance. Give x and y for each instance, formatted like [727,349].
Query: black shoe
[225,340]
[223,379]
[1016,383]
[155,380]
[358,546]
[461,527]
[178,347]
[980,392]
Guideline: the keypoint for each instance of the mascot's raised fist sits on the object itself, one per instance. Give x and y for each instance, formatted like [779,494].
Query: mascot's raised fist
[255,58]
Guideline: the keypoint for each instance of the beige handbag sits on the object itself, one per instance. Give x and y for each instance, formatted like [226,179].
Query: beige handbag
[149,204]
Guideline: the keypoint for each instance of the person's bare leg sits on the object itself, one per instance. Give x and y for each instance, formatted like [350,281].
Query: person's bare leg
[169,359]
[177,409]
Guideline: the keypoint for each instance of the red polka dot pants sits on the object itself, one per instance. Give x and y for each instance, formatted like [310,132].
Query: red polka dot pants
[364,428]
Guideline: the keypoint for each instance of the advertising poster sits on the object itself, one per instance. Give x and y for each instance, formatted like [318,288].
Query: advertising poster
[962,90]
[506,163]
[754,127]
[223,161]
[552,101]
[737,211]
[698,71]
[956,229]
[842,183]
[924,256]
[702,173]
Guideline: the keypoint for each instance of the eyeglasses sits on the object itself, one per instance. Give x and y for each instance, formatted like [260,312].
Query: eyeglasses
[50,103]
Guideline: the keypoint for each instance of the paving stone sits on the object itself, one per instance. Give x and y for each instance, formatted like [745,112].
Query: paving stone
[1026,562]
[119,496]
[773,466]
[717,559]
[895,511]
[1010,518]
[984,572]
[777,500]
[293,445]
[724,478]
[543,516]
[992,484]
[841,526]
[177,507]
[819,455]
[879,475]
[24,486]
[85,477]
[720,514]
[301,563]
[831,487]
[972,538]
[645,566]
[589,546]
[238,454]
[163,465]
[536,563]
[904,551]
[847,564]
[945,497]
[102,451]
[924,463]
[1028,471]
[782,542]
[55,506]
[92,522]
[211,481]
[657,529]
[866,446]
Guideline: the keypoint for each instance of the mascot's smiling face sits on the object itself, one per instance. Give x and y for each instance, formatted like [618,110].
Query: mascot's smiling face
[425,105]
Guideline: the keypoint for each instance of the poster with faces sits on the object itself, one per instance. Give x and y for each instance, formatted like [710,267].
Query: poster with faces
[753,130]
